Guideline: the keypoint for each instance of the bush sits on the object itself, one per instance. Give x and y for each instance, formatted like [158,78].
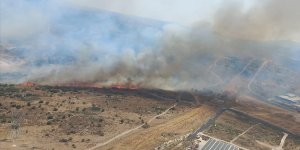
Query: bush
[63,140]
[13,105]
[49,117]
[146,125]
[3,120]
[18,106]
[49,122]
[95,108]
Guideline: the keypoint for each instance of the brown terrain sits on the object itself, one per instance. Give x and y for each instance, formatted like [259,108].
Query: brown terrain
[164,131]
[280,117]
[52,118]
[44,117]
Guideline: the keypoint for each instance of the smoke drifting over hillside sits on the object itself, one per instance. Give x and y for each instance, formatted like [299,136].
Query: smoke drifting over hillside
[60,43]
[267,20]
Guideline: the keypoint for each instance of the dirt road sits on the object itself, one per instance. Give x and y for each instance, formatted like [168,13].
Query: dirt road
[255,75]
[149,138]
[131,130]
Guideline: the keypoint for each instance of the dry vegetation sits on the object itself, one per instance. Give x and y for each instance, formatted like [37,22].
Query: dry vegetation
[230,125]
[292,143]
[166,130]
[45,117]
[275,115]
[260,133]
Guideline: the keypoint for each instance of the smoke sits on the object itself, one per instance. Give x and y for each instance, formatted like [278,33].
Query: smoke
[265,20]
[62,43]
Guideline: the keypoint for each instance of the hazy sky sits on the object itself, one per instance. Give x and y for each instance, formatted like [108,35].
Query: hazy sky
[184,12]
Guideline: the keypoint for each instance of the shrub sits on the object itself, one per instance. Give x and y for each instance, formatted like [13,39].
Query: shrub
[49,117]
[12,104]
[95,107]
[49,122]
[3,120]
[18,106]
[63,140]
[146,125]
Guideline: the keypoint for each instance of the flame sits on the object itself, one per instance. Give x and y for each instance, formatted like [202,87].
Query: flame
[28,84]
[120,86]
[124,86]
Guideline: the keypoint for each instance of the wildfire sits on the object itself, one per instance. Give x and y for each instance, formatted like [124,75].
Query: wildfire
[28,84]
[124,86]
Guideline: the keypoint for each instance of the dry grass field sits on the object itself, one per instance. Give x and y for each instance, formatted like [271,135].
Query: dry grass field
[54,118]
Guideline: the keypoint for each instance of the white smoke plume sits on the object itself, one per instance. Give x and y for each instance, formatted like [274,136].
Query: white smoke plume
[63,43]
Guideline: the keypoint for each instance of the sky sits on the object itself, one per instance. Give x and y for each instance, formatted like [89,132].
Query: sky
[271,19]
[185,12]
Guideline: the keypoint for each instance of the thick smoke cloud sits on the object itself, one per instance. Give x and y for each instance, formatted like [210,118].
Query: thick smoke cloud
[58,43]
[265,20]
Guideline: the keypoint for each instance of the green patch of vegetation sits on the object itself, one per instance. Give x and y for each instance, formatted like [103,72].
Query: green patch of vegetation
[96,108]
